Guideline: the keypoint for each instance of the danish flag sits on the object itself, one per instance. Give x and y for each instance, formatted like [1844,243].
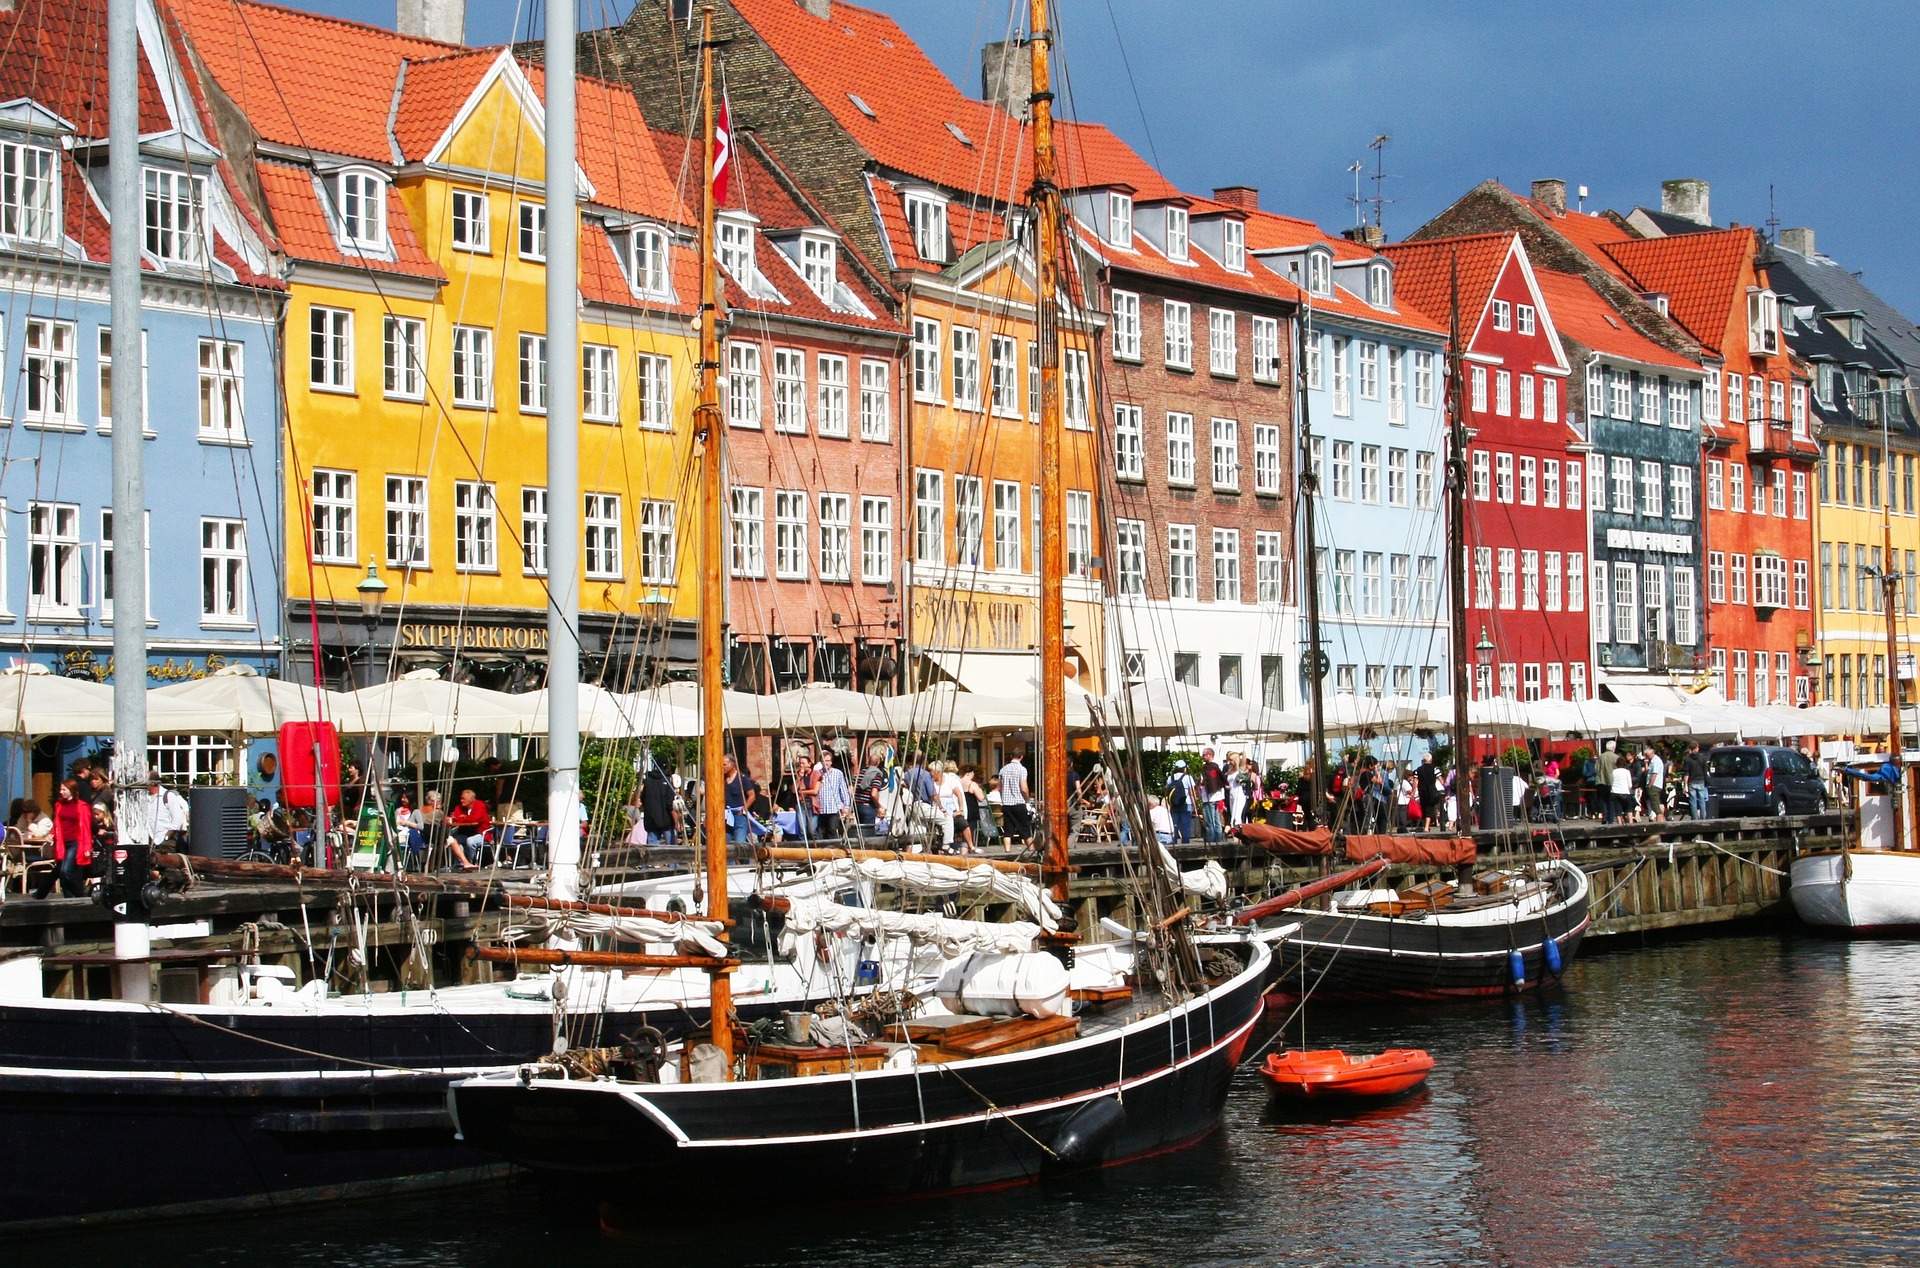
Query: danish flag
[722,155]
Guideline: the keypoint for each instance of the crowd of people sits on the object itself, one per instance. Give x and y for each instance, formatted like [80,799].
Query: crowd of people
[80,824]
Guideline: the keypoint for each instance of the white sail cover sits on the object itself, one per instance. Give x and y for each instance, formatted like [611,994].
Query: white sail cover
[948,936]
[931,878]
[696,934]
[1209,881]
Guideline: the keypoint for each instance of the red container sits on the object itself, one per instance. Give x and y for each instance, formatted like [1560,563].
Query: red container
[301,743]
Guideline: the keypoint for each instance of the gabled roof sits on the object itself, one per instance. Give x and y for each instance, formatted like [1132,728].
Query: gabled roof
[1700,273]
[55,52]
[1827,285]
[435,91]
[1581,314]
[306,235]
[1425,274]
[1270,231]
[1591,232]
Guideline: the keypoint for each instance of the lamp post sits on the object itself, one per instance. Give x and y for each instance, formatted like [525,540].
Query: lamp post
[1483,652]
[373,596]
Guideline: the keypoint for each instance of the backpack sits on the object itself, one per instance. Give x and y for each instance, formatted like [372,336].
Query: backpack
[1590,770]
[1177,793]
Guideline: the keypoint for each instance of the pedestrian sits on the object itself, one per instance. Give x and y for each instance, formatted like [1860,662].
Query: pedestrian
[1161,820]
[166,813]
[1213,805]
[1181,791]
[738,791]
[832,797]
[976,798]
[1699,803]
[1621,788]
[1408,809]
[1605,765]
[1015,815]
[953,804]
[658,816]
[1656,784]
[806,797]
[72,843]
[867,789]
[1426,782]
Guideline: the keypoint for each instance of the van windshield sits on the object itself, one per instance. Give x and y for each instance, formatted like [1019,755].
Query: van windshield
[1736,762]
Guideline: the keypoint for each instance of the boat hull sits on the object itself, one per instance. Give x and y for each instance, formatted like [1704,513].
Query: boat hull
[1340,956]
[882,1134]
[1860,892]
[1331,1075]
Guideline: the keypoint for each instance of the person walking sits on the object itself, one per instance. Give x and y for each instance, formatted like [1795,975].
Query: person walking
[806,797]
[1694,767]
[72,843]
[1181,791]
[1605,765]
[867,789]
[1620,788]
[1656,785]
[1213,802]
[738,790]
[657,814]
[832,797]
[1015,816]
[166,813]
[1426,781]
[976,799]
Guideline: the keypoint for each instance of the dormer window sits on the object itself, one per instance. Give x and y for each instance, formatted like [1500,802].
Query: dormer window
[648,244]
[927,217]
[1176,233]
[1857,331]
[733,243]
[1379,285]
[818,265]
[1763,322]
[1120,220]
[472,222]
[1235,250]
[176,223]
[361,199]
[1319,273]
[29,193]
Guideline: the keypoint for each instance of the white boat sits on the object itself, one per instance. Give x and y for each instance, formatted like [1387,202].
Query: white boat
[1872,884]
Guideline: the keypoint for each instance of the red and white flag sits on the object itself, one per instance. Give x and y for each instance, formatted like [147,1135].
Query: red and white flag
[722,154]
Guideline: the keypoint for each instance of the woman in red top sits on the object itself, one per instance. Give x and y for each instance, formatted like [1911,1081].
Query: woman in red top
[72,843]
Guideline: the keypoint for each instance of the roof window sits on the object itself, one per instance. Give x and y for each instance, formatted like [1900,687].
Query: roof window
[960,136]
[862,106]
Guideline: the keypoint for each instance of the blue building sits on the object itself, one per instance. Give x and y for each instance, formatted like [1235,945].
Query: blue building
[209,368]
[1372,419]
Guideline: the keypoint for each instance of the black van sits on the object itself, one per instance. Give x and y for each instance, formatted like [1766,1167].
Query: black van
[1763,779]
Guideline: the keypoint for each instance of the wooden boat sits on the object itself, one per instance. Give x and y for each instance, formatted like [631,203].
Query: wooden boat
[1330,1073]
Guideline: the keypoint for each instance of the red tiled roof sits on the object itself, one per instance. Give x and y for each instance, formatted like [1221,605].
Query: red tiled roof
[1590,233]
[306,235]
[55,52]
[1581,314]
[1270,231]
[1700,274]
[1424,274]
[432,95]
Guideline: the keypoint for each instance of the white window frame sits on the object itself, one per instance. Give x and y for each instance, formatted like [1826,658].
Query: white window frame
[1182,562]
[927,222]
[876,540]
[360,205]
[649,261]
[335,512]
[790,391]
[969,520]
[836,537]
[1177,334]
[1266,459]
[599,383]
[175,219]
[1125,326]
[472,367]
[223,573]
[330,349]
[965,352]
[603,556]
[403,358]
[743,384]
[657,541]
[791,541]
[1180,450]
[533,531]
[1266,348]
[533,374]
[653,374]
[1129,442]
[408,523]
[1223,342]
[1226,565]
[475,529]
[530,234]
[470,225]
[1225,451]
[54,572]
[1130,557]
[1007,556]
[30,206]
[929,518]
[876,401]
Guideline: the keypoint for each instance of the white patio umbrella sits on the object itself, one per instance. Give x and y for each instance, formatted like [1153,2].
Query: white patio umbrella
[820,706]
[1162,703]
[611,715]
[35,702]
[739,710]
[261,705]
[1345,712]
[423,703]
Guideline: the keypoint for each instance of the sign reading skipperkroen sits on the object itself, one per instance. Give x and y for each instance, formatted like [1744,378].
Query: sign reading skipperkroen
[499,638]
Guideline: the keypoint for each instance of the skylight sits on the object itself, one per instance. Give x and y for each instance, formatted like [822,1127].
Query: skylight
[862,106]
[959,135]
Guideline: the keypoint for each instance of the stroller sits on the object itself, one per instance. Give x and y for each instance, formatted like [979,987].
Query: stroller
[1546,801]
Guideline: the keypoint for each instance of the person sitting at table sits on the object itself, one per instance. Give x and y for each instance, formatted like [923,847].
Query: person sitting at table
[470,824]
[33,823]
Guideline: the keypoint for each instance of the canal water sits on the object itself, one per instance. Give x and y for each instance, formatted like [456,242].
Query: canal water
[1746,1100]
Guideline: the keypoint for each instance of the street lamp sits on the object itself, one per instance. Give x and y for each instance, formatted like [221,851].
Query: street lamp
[373,594]
[1483,650]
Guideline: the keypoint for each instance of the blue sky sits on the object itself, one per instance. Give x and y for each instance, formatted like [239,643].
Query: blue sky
[1813,99]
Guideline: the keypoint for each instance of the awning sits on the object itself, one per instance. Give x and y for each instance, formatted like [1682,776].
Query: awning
[1655,694]
[1008,674]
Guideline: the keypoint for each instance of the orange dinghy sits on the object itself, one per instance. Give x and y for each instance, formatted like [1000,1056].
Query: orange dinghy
[1332,1073]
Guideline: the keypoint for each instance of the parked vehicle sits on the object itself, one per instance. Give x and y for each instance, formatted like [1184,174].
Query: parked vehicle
[1763,779]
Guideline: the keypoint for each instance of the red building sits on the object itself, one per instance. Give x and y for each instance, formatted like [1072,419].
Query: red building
[1526,508]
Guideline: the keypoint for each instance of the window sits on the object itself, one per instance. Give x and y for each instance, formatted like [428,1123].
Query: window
[1266,348]
[1549,407]
[1710,399]
[836,533]
[1342,483]
[1597,481]
[1176,233]
[1506,555]
[1526,396]
[1503,477]
[471,222]
[1234,240]
[1423,379]
[1399,587]
[927,217]
[790,390]
[1369,371]
[1679,406]
[1502,393]
[876,540]
[929,518]
[533,231]
[1763,322]
[1651,476]
[1033,383]
[1342,377]
[533,531]
[1800,410]
[330,350]
[1685,628]
[1524,315]
[748,524]
[1649,400]
[1126,329]
[1319,273]
[926,360]
[1182,564]
[1129,443]
[1779,488]
[475,547]
[1479,381]
[1550,483]
[1529,483]
[1180,455]
[533,374]
[1426,587]
[876,412]
[1482,477]
[1769,581]
[967,515]
[1735,396]
[1759,486]
[1530,673]
[1602,621]
[1576,582]
[743,384]
[223,572]
[1553,602]
[363,211]
[656,392]
[1483,576]
[1177,328]
[1397,477]
[1079,515]
[1626,603]
[1396,385]
[1268,563]
[1756,403]
[733,247]
[1344,575]
[1530,580]
[1653,603]
[334,538]
[1596,390]
[1226,565]
[657,542]
[1800,495]
[1680,492]
[832,374]
[1716,577]
[599,384]
[1801,598]
[603,536]
[1777,405]
[29,193]
[53,561]
[176,229]
[790,534]
[1004,376]
[473,367]
[406,522]
[403,342]
[1716,496]
[1737,575]
[1425,488]
[1622,469]
[649,262]
[1226,455]
[1502,315]
[1130,553]
[104,337]
[966,368]
[817,265]
[1371,584]
[1076,379]
[1313,348]
[1006,526]
[1223,355]
[1620,393]
[1370,473]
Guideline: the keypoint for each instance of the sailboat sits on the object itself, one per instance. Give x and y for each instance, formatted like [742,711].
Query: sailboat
[1031,1055]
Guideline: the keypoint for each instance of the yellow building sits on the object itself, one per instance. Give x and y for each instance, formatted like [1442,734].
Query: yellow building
[405,182]
[1859,485]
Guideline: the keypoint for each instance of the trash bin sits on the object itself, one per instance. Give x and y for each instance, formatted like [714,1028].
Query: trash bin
[1493,796]
[216,822]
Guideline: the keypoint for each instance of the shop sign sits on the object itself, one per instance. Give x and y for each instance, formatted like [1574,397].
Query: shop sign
[420,636]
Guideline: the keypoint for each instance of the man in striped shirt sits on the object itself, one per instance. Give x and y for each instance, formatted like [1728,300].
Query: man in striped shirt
[832,798]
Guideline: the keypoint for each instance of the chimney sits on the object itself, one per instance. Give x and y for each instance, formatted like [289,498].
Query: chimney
[1552,194]
[818,8]
[1365,235]
[443,20]
[1686,199]
[1800,240]
[1245,197]
[1006,77]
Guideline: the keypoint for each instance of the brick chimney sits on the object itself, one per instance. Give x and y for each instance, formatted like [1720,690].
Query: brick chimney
[1365,235]
[1245,197]
[1800,240]
[1006,77]
[1687,199]
[818,8]
[1551,194]
[443,20]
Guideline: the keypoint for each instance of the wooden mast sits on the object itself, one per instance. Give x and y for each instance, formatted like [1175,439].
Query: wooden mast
[1890,599]
[1457,559]
[713,585]
[1309,483]
[1043,202]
